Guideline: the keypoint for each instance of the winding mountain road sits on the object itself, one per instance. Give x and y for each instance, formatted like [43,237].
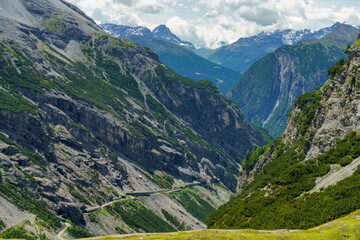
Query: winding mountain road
[147,193]
[28,218]
[93,209]
[62,231]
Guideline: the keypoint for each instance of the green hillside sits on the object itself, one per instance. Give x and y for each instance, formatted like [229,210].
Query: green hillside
[311,174]
[344,228]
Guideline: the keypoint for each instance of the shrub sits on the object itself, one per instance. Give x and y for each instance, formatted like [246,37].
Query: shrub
[2,225]
[78,232]
[136,216]
[16,233]
[193,203]
[308,103]
[337,68]
[252,158]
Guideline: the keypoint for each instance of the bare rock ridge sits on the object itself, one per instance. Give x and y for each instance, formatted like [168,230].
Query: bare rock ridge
[86,117]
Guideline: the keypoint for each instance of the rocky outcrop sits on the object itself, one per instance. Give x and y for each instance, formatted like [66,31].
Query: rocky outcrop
[222,128]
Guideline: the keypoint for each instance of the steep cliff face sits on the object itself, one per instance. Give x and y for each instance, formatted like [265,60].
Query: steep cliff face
[87,118]
[296,181]
[268,90]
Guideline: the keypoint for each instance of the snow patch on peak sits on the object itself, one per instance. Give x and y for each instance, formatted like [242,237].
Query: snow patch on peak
[161,32]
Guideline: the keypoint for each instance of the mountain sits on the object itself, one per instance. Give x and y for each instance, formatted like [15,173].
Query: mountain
[240,55]
[95,130]
[310,175]
[163,32]
[176,54]
[160,32]
[268,89]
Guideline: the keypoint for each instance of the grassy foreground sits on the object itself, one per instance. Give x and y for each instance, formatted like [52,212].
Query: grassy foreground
[344,228]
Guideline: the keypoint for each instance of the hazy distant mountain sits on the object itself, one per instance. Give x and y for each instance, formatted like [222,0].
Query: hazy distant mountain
[241,54]
[163,32]
[160,32]
[176,54]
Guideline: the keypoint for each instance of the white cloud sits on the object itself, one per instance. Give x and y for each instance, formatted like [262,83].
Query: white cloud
[196,9]
[150,6]
[211,23]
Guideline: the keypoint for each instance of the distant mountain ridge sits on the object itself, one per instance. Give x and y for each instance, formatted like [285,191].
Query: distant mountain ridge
[241,54]
[160,32]
[291,36]
[176,54]
[267,90]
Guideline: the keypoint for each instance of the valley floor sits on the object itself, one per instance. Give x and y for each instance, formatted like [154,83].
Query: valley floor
[344,228]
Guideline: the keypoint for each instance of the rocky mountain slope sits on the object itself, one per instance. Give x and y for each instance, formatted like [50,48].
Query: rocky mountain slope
[268,90]
[87,119]
[241,54]
[176,54]
[286,184]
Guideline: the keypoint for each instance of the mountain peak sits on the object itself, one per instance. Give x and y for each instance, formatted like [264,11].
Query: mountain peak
[122,31]
[336,24]
[32,12]
[163,32]
[162,29]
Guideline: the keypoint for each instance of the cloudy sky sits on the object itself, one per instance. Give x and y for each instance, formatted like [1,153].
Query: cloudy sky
[210,23]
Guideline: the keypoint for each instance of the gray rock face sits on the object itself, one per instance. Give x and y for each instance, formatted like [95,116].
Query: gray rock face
[341,109]
[219,127]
